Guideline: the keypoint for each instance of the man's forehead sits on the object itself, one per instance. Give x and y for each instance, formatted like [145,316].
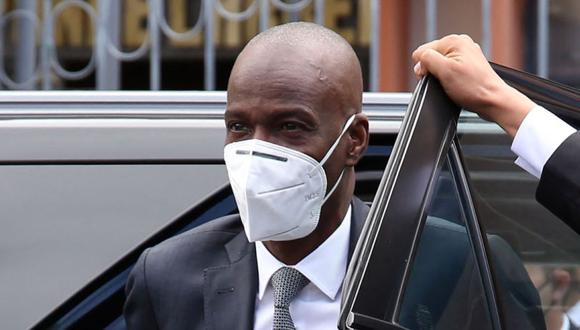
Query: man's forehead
[280,63]
[286,81]
[282,86]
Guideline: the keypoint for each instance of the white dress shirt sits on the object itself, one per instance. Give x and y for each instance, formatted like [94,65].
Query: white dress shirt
[539,135]
[317,305]
[573,316]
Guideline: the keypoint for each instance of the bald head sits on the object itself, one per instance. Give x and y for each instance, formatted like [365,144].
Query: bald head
[301,34]
[304,60]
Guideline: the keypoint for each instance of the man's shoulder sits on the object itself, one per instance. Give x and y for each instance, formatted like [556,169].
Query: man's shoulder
[224,226]
[168,281]
[206,240]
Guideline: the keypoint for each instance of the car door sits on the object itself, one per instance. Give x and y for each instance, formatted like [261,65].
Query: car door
[385,287]
[510,217]
[424,260]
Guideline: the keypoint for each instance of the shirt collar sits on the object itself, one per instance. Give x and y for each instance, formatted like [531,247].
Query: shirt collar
[325,267]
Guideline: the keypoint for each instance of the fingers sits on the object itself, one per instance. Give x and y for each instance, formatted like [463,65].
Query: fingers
[444,47]
[417,70]
[434,62]
[438,45]
[425,56]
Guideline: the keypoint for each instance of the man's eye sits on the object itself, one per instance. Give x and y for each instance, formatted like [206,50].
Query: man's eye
[238,127]
[290,127]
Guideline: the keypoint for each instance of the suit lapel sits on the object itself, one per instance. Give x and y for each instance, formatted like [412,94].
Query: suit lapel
[359,215]
[360,212]
[230,290]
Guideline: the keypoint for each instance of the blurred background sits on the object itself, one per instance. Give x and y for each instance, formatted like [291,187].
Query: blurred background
[192,44]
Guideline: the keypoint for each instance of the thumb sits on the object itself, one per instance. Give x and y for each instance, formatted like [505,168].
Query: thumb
[433,62]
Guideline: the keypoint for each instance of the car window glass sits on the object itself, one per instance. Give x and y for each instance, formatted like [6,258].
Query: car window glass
[549,250]
[445,289]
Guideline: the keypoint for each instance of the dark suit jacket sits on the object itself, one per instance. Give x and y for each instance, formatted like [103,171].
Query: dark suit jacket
[559,188]
[206,278]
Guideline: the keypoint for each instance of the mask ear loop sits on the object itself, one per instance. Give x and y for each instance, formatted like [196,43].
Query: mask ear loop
[335,144]
[329,153]
[333,187]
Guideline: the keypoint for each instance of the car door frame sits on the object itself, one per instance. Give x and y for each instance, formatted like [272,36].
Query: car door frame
[377,277]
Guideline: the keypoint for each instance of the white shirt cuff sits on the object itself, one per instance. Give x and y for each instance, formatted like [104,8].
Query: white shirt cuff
[539,135]
[565,322]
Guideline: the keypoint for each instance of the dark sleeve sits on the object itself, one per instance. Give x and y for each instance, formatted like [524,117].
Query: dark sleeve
[138,310]
[559,188]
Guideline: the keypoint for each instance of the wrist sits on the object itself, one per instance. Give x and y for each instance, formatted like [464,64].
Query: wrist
[508,108]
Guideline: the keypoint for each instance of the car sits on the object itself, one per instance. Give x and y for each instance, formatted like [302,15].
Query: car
[94,178]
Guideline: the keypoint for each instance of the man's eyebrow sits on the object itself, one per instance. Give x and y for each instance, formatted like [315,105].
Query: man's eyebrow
[233,113]
[300,112]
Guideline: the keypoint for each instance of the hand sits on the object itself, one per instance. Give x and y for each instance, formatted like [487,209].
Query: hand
[469,80]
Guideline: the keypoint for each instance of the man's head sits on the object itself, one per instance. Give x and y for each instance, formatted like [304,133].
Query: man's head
[296,85]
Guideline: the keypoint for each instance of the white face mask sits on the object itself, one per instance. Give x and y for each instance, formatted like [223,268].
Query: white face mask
[279,191]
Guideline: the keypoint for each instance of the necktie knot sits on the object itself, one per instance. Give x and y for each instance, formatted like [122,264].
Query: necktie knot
[287,282]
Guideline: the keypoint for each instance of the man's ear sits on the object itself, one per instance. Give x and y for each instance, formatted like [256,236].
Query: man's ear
[359,139]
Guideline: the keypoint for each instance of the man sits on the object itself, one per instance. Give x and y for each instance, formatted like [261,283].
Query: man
[547,147]
[295,131]
[294,97]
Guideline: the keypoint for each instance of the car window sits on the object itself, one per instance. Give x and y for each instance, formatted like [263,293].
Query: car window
[445,288]
[507,208]
[512,219]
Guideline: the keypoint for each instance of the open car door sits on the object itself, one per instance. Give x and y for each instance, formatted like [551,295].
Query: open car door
[420,262]
[424,261]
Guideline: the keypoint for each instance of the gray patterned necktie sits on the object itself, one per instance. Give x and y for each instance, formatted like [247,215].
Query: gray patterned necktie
[287,282]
